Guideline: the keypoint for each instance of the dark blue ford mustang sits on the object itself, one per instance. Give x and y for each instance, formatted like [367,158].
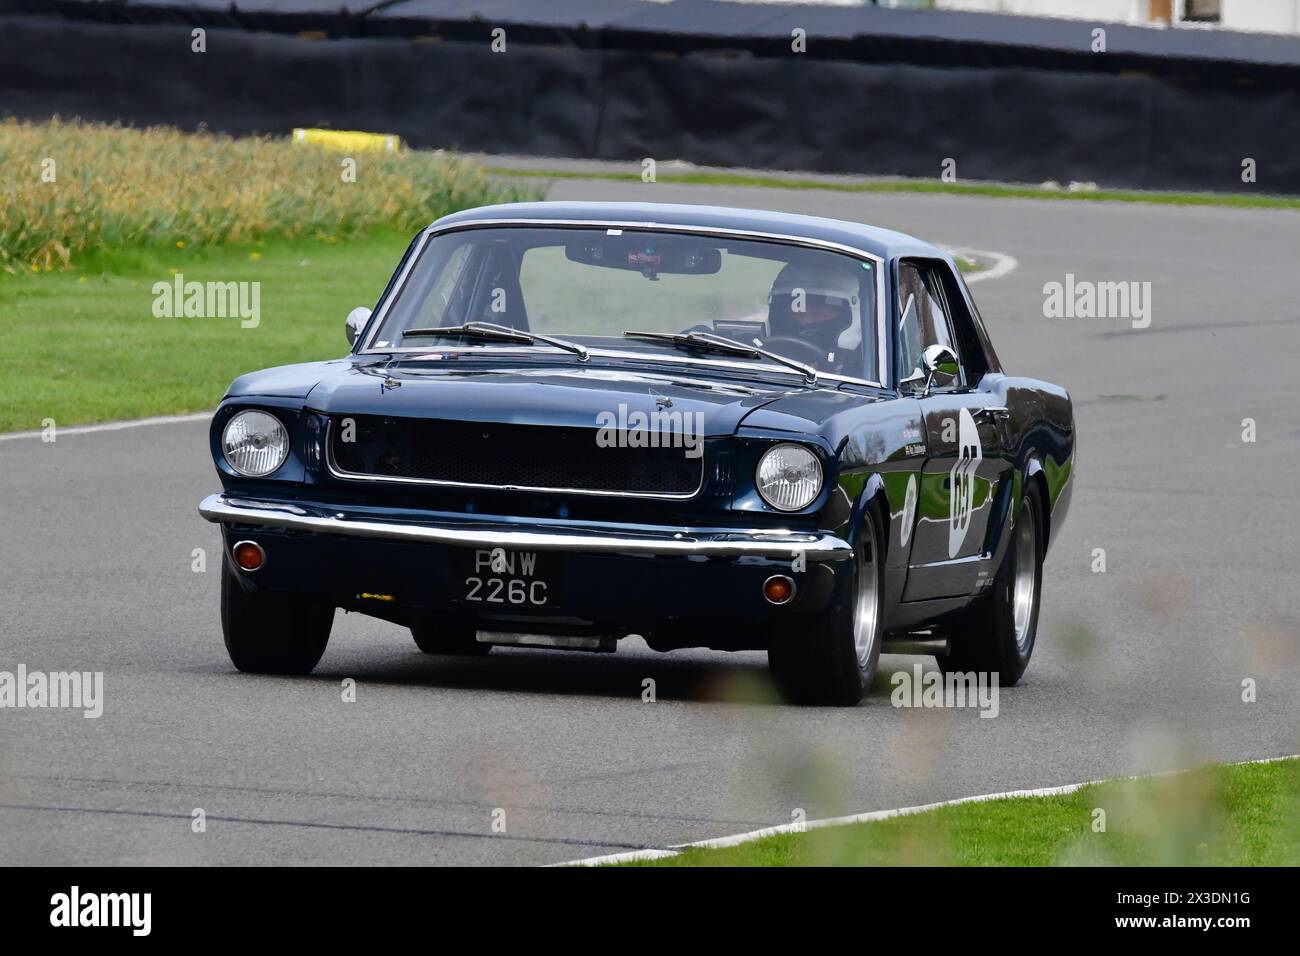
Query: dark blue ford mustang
[564,423]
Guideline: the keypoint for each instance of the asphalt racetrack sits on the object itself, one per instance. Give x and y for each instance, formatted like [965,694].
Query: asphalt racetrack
[1138,668]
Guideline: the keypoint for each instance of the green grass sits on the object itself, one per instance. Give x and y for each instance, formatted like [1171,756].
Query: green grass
[1244,815]
[919,186]
[83,345]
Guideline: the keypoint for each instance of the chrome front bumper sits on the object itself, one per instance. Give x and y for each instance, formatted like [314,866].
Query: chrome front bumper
[707,542]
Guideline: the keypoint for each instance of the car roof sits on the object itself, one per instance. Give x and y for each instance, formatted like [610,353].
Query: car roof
[884,243]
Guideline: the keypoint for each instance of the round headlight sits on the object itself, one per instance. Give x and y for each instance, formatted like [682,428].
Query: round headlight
[255,443]
[789,477]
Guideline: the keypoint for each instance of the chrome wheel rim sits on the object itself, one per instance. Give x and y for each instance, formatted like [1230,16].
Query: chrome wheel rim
[1024,592]
[866,606]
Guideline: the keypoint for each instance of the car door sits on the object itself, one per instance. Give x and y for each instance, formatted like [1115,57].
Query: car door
[966,445]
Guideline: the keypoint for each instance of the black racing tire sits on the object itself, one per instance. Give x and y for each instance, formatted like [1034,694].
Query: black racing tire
[997,634]
[449,635]
[269,632]
[830,660]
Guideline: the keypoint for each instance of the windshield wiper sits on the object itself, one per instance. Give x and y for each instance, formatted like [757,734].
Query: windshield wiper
[499,333]
[706,341]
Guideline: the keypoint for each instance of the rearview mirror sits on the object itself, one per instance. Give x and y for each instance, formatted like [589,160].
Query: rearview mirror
[650,256]
[356,321]
[939,363]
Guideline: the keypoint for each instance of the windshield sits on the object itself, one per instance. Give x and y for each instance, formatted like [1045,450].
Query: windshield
[590,285]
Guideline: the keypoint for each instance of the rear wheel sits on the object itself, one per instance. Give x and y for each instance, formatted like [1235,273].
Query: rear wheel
[997,635]
[272,632]
[832,659]
[449,635]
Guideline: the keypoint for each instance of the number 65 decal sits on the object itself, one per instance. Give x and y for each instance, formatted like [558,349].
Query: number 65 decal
[961,481]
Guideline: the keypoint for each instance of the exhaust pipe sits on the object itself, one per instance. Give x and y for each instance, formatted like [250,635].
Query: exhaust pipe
[601,643]
[920,644]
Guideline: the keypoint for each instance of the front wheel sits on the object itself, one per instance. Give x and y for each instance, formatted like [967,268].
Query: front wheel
[997,634]
[272,633]
[831,659]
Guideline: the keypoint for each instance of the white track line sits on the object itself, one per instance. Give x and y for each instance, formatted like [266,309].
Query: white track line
[1003,264]
[112,426]
[655,854]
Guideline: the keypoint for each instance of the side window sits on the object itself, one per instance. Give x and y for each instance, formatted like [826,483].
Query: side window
[977,355]
[925,317]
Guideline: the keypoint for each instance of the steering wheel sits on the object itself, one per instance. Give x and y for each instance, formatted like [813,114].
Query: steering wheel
[780,344]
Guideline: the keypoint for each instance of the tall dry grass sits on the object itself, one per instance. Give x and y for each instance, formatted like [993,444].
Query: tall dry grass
[67,187]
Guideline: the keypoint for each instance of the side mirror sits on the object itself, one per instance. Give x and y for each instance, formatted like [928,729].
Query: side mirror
[940,366]
[356,321]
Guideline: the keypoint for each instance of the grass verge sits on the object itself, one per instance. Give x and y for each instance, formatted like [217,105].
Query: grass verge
[1238,815]
[916,186]
[84,346]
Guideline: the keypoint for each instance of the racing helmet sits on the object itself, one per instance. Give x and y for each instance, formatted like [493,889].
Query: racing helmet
[832,283]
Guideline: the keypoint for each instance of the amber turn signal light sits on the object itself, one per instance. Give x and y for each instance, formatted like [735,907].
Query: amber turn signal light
[778,589]
[249,555]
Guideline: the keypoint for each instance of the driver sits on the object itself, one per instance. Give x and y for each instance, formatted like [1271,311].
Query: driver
[817,303]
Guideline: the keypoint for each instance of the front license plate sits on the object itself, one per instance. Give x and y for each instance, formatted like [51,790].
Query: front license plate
[496,577]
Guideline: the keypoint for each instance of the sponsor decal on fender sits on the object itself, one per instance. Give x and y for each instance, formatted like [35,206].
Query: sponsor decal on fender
[961,481]
[909,511]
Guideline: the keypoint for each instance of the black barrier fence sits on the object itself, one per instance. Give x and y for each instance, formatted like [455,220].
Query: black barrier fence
[860,33]
[710,107]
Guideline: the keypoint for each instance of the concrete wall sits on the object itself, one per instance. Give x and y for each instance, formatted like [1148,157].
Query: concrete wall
[1107,11]
[1273,16]
[1270,16]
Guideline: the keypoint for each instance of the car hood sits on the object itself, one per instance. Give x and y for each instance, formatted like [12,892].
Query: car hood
[548,395]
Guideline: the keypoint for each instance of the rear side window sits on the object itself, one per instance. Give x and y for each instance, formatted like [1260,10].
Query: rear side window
[925,318]
[978,356]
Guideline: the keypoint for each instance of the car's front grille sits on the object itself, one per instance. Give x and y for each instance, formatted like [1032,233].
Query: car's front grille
[496,455]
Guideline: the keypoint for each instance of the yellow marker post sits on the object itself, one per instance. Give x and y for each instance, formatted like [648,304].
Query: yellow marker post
[349,140]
